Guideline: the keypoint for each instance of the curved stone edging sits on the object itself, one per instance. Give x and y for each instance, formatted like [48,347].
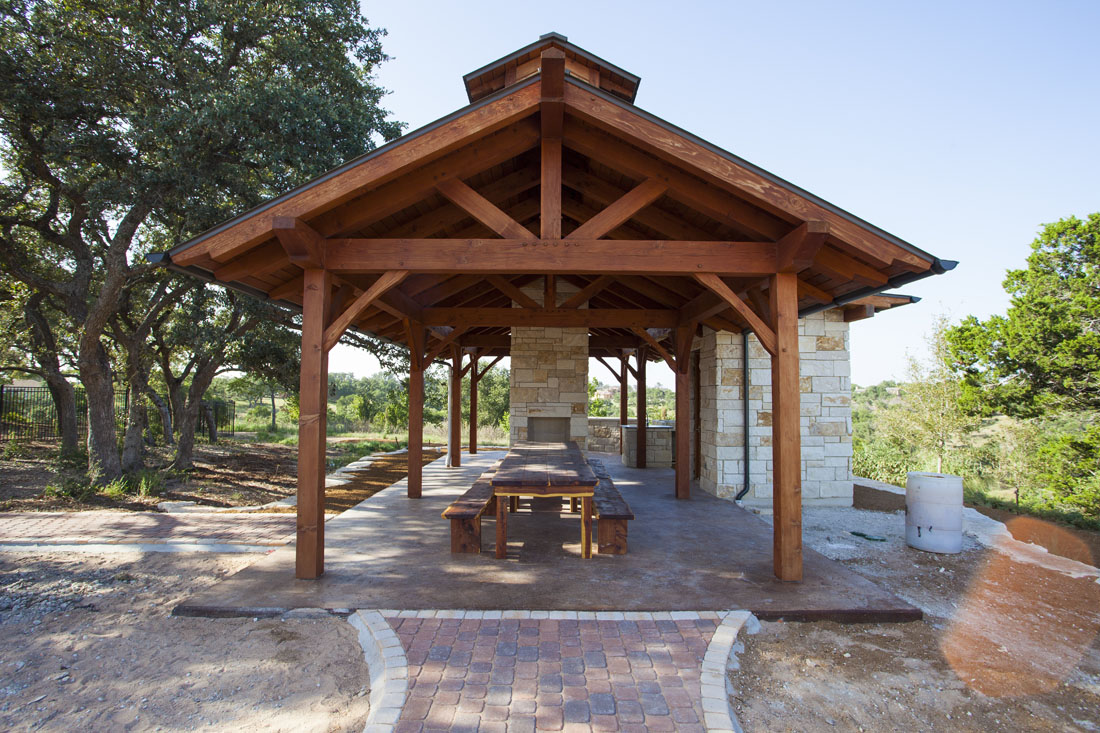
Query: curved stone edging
[718,712]
[389,670]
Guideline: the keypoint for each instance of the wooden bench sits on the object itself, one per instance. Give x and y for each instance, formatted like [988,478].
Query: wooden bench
[465,514]
[612,512]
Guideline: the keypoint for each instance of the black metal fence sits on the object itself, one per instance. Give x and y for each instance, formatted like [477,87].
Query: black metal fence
[29,413]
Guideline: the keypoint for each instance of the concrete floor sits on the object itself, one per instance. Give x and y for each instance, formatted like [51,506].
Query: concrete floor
[703,554]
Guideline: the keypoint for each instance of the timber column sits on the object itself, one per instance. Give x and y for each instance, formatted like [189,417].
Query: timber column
[415,333]
[786,430]
[640,460]
[474,376]
[684,336]
[454,414]
[312,413]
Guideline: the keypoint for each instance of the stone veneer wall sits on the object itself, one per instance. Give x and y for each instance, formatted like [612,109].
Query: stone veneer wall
[549,373]
[605,435]
[826,423]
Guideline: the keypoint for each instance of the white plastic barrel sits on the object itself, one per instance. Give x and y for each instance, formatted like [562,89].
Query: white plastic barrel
[933,512]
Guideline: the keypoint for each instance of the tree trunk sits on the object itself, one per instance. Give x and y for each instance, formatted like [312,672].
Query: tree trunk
[64,400]
[273,411]
[133,446]
[95,374]
[185,447]
[165,414]
[45,352]
[208,411]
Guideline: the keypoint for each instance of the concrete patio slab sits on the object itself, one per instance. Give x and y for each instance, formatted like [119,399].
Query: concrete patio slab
[703,554]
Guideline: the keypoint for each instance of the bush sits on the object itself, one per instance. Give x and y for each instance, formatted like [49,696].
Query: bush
[884,460]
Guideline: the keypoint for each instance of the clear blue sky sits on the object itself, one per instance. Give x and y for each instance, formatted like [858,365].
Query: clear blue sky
[959,127]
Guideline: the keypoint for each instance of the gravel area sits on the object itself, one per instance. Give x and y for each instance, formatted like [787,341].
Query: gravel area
[87,642]
[1006,644]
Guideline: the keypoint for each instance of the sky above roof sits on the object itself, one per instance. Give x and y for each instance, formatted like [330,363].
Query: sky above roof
[961,128]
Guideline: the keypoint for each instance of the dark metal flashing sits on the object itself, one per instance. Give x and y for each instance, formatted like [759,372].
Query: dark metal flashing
[782,183]
[563,41]
[939,267]
[381,150]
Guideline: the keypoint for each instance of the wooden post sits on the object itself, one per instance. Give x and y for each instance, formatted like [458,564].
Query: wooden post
[415,480]
[684,336]
[454,419]
[309,559]
[473,403]
[697,416]
[642,416]
[786,438]
[624,388]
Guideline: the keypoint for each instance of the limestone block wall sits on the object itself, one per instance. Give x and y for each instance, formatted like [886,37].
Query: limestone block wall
[826,422]
[604,435]
[660,446]
[549,373]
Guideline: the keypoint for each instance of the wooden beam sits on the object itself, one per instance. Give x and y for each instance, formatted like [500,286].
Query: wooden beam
[604,193]
[844,267]
[400,305]
[485,341]
[293,286]
[786,430]
[855,313]
[489,366]
[309,550]
[796,251]
[384,283]
[621,210]
[703,307]
[812,291]
[482,209]
[765,334]
[586,317]
[550,292]
[552,117]
[728,173]
[412,151]
[512,291]
[596,257]
[762,307]
[436,349]
[687,189]
[552,92]
[261,261]
[609,367]
[302,244]
[585,294]
[669,359]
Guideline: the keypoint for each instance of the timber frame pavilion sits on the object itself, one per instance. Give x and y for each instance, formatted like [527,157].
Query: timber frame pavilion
[551,175]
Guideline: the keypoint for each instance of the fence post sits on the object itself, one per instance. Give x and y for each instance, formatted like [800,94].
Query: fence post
[2,431]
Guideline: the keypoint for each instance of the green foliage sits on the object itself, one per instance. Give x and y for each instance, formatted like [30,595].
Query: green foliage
[1044,353]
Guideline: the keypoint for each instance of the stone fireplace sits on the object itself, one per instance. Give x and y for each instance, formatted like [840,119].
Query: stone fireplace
[549,387]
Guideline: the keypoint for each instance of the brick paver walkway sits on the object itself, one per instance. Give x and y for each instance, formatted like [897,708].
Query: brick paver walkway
[144,528]
[510,675]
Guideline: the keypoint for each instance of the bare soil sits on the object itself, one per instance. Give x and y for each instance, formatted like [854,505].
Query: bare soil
[87,643]
[1003,646]
[227,474]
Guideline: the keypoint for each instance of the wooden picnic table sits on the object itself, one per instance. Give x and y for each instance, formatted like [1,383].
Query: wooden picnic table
[544,470]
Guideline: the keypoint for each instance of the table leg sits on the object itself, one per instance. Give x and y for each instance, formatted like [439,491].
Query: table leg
[502,528]
[513,504]
[586,527]
[573,504]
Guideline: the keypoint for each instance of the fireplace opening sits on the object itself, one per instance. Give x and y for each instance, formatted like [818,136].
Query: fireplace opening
[548,429]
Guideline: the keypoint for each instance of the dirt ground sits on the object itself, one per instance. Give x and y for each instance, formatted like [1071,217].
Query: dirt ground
[1004,645]
[87,643]
[227,474]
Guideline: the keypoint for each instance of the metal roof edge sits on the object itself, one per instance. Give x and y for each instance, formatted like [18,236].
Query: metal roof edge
[783,183]
[344,167]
